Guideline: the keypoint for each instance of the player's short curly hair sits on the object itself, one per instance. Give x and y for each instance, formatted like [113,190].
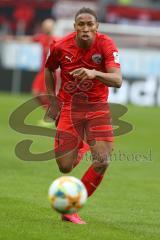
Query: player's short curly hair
[86,10]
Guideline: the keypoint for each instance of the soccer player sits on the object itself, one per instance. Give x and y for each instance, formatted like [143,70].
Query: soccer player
[89,66]
[45,38]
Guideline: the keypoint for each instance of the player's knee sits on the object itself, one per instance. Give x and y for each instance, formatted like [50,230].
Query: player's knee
[65,169]
[101,163]
[105,164]
[101,166]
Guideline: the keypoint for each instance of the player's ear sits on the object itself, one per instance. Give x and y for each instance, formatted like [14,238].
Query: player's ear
[74,26]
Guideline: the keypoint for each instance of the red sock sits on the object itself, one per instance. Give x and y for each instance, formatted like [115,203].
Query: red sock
[91,179]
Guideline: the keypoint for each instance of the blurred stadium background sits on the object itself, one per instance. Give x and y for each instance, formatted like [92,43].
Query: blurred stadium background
[126,206]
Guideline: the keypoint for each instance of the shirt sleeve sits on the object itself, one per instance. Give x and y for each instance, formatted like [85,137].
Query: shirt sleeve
[111,54]
[52,61]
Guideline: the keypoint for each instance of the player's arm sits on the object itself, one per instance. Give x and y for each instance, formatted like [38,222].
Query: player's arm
[53,110]
[50,81]
[51,65]
[112,78]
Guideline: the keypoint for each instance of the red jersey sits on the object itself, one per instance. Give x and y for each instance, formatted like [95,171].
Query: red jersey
[45,41]
[67,55]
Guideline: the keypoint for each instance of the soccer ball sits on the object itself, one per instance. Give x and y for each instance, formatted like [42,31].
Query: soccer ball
[67,194]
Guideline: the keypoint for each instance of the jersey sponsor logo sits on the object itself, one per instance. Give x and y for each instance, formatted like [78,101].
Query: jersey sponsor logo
[97,58]
[116,57]
[70,87]
[73,86]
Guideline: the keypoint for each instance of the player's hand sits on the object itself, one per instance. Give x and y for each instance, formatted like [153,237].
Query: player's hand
[83,74]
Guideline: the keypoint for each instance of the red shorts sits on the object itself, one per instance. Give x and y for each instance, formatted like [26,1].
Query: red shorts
[90,123]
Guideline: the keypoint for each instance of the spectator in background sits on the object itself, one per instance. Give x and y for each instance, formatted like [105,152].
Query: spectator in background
[44,38]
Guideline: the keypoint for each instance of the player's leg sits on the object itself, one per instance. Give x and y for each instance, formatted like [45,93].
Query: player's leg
[69,157]
[94,175]
[66,164]
[67,142]
[65,158]
[101,151]
[99,134]
[82,150]
[67,145]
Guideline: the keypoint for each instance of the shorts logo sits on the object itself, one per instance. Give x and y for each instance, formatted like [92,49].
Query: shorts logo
[97,58]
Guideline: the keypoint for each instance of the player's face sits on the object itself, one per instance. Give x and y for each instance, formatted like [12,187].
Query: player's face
[86,27]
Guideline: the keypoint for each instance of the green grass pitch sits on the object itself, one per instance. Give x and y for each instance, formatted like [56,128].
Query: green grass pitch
[125,207]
